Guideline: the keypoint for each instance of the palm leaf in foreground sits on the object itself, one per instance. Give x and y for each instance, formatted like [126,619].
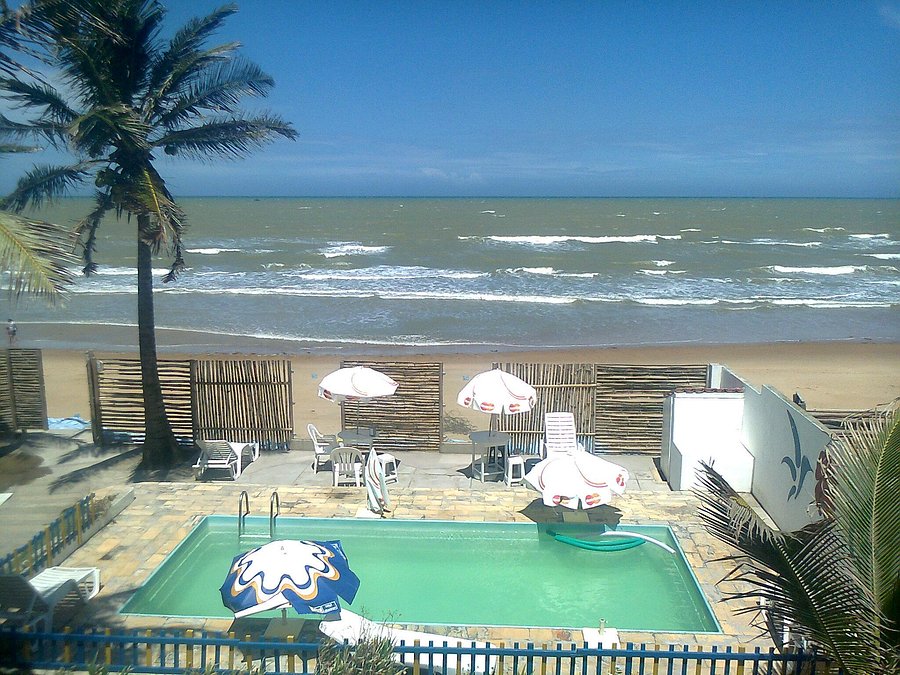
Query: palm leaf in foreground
[864,484]
[37,255]
[805,579]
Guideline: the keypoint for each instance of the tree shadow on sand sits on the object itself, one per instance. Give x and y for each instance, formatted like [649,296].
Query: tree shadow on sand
[181,471]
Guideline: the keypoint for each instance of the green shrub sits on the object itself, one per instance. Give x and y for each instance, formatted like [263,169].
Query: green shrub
[372,655]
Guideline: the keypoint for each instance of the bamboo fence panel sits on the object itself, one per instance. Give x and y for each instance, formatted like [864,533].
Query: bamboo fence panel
[629,403]
[560,387]
[23,398]
[117,399]
[617,408]
[842,424]
[411,419]
[239,400]
[7,395]
[244,400]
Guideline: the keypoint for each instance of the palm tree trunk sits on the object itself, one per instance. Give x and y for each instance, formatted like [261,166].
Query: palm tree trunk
[160,446]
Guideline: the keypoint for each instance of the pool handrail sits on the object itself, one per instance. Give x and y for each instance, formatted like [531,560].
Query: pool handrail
[243,501]
[274,512]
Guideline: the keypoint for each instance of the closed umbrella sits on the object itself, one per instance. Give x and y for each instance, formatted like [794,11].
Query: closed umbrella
[376,485]
[309,576]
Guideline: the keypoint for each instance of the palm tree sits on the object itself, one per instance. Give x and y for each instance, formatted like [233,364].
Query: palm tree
[128,95]
[835,583]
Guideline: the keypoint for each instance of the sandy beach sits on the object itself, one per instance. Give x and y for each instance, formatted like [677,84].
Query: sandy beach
[832,375]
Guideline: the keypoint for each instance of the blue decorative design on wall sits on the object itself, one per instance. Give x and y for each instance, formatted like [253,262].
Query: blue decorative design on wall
[798,464]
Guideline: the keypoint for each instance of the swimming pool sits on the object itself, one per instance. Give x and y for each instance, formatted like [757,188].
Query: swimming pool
[454,573]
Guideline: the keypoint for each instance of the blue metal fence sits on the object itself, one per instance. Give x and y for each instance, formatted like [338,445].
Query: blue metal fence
[158,652]
[45,546]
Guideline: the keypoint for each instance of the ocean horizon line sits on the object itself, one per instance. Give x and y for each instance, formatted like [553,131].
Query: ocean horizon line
[528,197]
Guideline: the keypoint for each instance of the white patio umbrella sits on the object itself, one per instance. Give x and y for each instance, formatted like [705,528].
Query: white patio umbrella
[358,383]
[496,392]
[577,477]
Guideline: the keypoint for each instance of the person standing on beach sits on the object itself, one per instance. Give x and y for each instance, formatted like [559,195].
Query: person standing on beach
[11,330]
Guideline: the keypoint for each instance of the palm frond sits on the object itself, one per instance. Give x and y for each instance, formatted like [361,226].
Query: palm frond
[103,127]
[184,54]
[805,579]
[864,475]
[217,89]
[37,255]
[227,138]
[43,183]
[86,229]
[46,129]
[37,96]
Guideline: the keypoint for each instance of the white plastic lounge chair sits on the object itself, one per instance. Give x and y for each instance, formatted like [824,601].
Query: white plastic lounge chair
[346,466]
[27,603]
[224,455]
[322,444]
[559,433]
[351,627]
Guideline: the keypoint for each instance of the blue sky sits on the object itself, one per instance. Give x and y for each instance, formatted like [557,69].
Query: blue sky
[612,98]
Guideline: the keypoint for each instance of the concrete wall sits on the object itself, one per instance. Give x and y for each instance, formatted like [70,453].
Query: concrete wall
[722,378]
[785,444]
[704,426]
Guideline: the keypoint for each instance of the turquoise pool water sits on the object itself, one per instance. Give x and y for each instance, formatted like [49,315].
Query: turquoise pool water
[454,573]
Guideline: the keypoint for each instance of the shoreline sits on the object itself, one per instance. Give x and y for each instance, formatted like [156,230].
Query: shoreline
[122,338]
[838,375]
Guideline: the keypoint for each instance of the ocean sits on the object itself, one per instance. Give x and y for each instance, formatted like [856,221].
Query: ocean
[486,273]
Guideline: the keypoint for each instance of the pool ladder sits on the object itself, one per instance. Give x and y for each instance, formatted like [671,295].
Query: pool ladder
[244,511]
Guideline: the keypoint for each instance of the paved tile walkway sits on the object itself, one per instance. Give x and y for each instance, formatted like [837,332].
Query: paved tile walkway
[430,487]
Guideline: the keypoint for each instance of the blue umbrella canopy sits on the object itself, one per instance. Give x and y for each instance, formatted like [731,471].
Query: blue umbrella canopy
[309,576]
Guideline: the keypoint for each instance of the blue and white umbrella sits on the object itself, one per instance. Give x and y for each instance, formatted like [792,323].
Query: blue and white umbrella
[306,575]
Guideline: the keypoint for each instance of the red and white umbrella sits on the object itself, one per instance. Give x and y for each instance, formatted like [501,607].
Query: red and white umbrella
[496,392]
[569,478]
[358,383]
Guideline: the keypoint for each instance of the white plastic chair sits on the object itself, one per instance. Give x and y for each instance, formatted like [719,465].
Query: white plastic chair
[347,466]
[322,445]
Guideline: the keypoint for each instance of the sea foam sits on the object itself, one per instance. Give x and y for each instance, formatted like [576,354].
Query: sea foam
[337,250]
[830,271]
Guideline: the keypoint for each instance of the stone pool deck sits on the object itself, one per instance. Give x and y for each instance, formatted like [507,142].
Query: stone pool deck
[432,486]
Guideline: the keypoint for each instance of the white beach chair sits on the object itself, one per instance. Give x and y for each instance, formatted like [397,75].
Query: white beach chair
[224,455]
[28,603]
[559,433]
[323,444]
[351,628]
